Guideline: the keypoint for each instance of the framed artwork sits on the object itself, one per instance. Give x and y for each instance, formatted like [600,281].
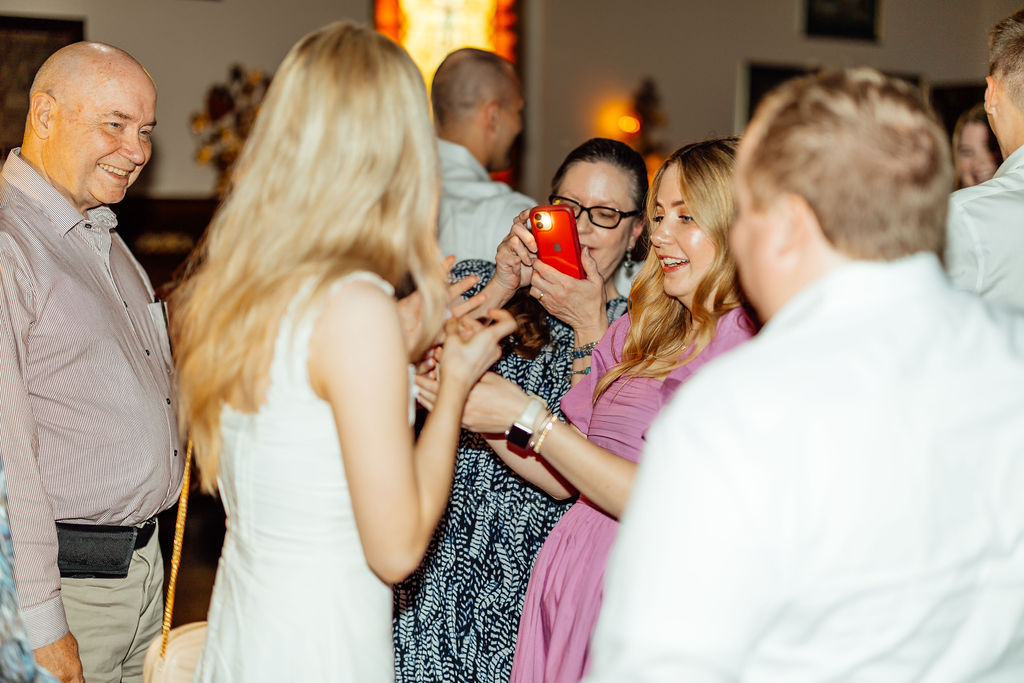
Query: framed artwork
[853,19]
[763,78]
[430,29]
[25,43]
[950,100]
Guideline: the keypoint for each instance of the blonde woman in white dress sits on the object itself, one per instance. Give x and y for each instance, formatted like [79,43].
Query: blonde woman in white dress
[293,356]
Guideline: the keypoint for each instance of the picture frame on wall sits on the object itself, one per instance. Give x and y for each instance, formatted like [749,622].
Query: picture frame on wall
[758,79]
[849,19]
[25,43]
[950,100]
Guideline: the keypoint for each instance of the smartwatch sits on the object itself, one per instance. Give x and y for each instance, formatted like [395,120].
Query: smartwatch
[521,430]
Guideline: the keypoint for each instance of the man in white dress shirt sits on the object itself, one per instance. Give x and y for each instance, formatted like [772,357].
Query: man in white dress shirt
[985,252]
[840,498]
[478,106]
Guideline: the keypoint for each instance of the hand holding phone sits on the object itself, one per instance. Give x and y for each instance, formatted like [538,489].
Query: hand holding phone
[558,243]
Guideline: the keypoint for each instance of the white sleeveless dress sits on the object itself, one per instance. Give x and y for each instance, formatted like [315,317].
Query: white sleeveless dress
[294,599]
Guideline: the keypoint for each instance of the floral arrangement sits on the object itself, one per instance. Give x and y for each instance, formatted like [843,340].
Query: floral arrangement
[224,124]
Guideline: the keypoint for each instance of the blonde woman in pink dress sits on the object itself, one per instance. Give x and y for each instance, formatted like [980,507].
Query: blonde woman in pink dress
[685,309]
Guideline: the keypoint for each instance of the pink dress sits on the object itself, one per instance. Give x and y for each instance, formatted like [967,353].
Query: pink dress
[564,595]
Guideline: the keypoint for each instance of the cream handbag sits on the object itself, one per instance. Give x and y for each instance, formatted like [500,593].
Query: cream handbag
[172,658]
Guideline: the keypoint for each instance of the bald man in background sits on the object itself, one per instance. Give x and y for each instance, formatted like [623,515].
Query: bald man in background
[478,105]
[89,437]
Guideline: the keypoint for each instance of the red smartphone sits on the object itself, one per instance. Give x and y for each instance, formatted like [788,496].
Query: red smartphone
[558,243]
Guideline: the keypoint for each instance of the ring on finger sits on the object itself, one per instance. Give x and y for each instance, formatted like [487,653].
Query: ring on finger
[540,296]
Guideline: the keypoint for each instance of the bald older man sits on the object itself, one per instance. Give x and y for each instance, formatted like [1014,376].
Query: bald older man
[88,438]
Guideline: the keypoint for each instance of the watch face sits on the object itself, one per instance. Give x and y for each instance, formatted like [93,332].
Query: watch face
[519,436]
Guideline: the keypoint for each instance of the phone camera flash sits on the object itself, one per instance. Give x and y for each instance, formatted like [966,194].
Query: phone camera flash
[543,221]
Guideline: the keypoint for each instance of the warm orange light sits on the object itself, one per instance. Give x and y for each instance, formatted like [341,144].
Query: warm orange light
[606,122]
[629,124]
[429,29]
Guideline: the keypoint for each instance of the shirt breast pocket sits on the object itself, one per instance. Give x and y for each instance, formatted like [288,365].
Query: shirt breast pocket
[158,326]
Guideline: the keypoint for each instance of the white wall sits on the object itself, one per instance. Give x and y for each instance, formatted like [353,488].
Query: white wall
[696,51]
[577,55]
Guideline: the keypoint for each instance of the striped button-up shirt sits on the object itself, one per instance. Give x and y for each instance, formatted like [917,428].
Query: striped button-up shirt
[88,431]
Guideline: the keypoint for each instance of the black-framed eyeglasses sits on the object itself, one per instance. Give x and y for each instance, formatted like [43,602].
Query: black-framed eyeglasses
[601,216]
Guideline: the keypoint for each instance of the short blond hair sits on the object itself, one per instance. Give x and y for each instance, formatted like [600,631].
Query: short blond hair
[1006,55]
[864,151]
[340,174]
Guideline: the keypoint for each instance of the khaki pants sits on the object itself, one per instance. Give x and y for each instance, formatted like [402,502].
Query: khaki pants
[114,620]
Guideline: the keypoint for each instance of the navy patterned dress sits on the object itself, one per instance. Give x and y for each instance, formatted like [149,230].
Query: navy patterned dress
[457,616]
[17,664]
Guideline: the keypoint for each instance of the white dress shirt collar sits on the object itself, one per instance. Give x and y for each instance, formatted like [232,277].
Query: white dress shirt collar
[1012,162]
[459,163]
[20,174]
[858,285]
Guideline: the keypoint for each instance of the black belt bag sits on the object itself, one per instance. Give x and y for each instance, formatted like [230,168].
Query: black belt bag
[93,551]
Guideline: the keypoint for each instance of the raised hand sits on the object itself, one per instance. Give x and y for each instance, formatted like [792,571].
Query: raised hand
[578,303]
[410,308]
[515,256]
[471,347]
[493,404]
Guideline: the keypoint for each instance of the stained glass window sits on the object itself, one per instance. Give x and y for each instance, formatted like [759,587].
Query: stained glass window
[430,29]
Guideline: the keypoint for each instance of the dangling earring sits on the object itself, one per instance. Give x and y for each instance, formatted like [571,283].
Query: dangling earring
[628,263]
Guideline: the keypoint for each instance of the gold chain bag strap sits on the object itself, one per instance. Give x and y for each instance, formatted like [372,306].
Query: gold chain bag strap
[173,657]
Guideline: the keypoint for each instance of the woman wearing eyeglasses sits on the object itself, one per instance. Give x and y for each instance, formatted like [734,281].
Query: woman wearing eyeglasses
[457,617]
[685,309]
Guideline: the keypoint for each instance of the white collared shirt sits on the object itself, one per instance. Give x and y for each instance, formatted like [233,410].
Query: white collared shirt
[839,499]
[476,212]
[985,237]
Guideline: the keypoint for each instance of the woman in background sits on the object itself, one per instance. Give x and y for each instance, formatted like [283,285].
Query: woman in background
[293,364]
[976,153]
[685,309]
[456,618]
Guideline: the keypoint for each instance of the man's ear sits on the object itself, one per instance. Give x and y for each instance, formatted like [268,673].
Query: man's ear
[41,114]
[993,94]
[490,113]
[797,230]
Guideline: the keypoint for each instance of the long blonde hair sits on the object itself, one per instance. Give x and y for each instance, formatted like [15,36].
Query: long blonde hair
[340,174]
[661,328]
